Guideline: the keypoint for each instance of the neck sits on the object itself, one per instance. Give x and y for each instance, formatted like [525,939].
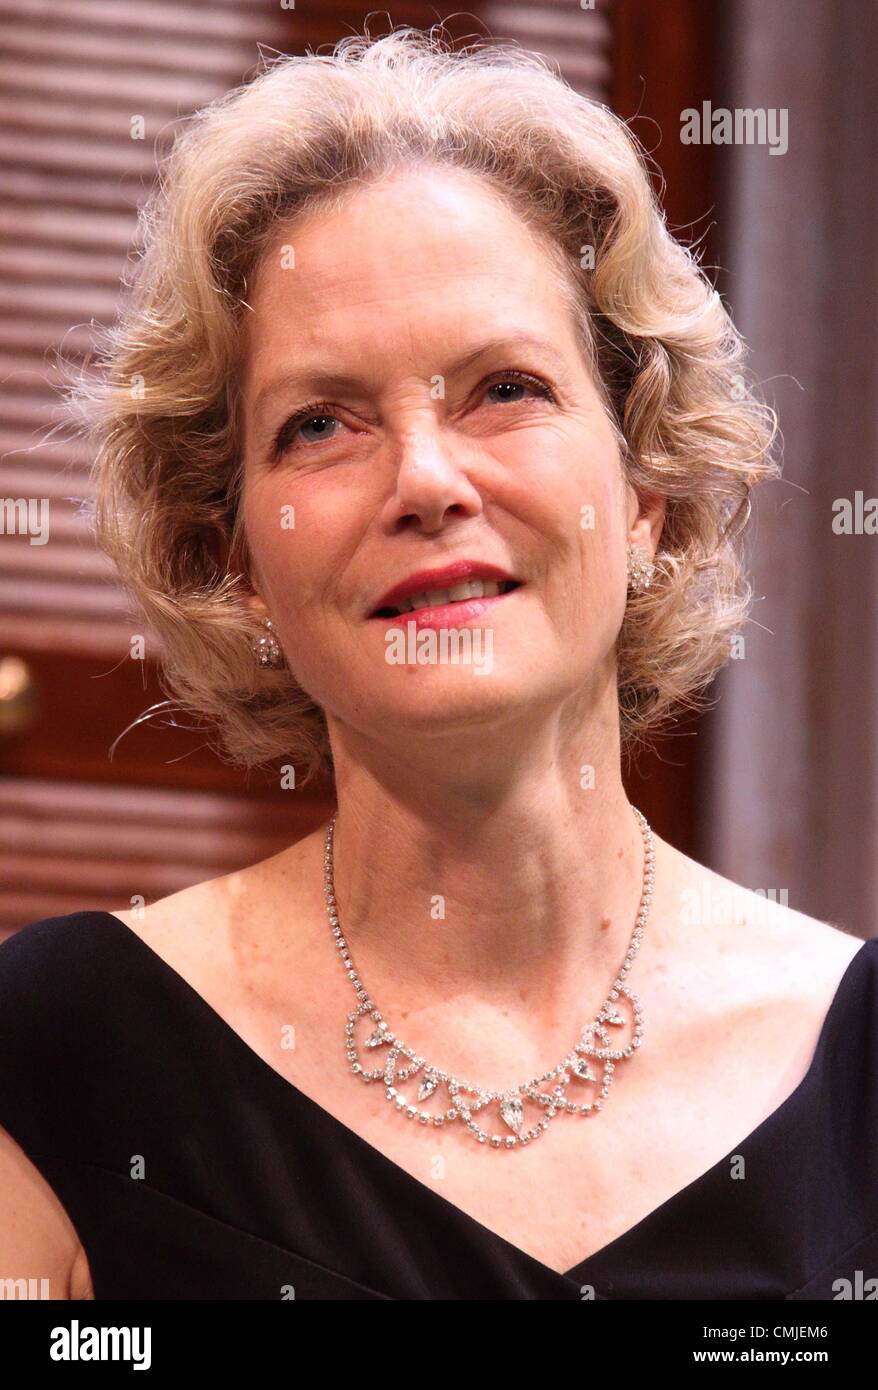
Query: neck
[507,879]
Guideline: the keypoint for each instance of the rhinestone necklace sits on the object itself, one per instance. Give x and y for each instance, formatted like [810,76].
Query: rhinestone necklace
[466,1100]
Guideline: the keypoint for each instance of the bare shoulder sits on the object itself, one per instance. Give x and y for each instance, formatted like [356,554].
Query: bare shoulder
[757,941]
[212,927]
[806,945]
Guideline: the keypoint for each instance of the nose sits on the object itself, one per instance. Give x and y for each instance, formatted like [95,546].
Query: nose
[431,487]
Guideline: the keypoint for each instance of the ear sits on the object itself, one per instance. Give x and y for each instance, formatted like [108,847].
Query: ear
[238,563]
[646,519]
[255,604]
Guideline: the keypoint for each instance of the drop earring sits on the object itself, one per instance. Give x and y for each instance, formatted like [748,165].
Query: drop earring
[641,570]
[266,647]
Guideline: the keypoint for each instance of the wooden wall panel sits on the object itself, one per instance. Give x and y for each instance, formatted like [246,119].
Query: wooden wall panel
[67,845]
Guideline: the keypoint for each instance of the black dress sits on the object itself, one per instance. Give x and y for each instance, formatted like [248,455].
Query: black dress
[250,1190]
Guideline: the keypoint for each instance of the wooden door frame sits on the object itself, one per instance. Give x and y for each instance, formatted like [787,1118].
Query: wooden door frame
[664,58]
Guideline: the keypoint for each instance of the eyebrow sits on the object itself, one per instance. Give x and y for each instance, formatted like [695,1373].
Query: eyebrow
[319,380]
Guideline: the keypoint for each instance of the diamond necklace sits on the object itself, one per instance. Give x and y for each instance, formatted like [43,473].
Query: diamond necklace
[467,1100]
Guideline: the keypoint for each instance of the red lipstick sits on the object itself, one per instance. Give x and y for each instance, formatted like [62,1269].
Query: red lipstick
[425,581]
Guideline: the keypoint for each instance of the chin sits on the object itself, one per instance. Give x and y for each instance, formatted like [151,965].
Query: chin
[448,699]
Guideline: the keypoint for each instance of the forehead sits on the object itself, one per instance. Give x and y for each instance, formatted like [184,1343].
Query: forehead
[421,250]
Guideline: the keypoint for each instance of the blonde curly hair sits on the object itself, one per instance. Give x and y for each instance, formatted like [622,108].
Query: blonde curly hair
[160,398]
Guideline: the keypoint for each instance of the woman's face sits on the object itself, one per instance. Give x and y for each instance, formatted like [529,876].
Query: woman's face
[445,414]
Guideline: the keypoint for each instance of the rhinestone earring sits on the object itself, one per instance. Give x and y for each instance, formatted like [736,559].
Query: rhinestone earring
[266,647]
[641,570]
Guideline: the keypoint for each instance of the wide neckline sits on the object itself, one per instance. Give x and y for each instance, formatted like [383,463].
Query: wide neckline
[290,1091]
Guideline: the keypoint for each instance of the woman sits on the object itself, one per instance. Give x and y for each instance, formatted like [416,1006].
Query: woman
[411,355]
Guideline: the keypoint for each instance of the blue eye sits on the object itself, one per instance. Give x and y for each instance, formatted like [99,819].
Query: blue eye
[316,413]
[319,412]
[520,379]
[321,420]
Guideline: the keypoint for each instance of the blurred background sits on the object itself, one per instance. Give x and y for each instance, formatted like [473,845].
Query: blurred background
[776,784]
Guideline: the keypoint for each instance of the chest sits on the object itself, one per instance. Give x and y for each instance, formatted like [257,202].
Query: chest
[696,1089]
[584,1182]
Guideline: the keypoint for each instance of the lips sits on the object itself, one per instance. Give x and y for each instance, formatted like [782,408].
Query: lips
[461,582]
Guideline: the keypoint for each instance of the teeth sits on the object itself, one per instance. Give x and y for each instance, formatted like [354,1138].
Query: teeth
[457,593]
[473,588]
[423,600]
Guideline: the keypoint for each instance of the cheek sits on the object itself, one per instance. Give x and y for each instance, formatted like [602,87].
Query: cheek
[583,518]
[575,500]
[292,554]
[603,523]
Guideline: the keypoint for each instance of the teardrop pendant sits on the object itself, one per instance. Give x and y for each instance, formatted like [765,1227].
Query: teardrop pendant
[512,1113]
[427,1087]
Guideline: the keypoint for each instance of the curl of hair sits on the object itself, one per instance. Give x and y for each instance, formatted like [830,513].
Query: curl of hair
[159,400]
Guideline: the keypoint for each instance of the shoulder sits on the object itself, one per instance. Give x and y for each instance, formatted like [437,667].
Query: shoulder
[76,1003]
[60,1012]
[193,930]
[208,930]
[40,961]
[753,948]
[776,931]
[747,987]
